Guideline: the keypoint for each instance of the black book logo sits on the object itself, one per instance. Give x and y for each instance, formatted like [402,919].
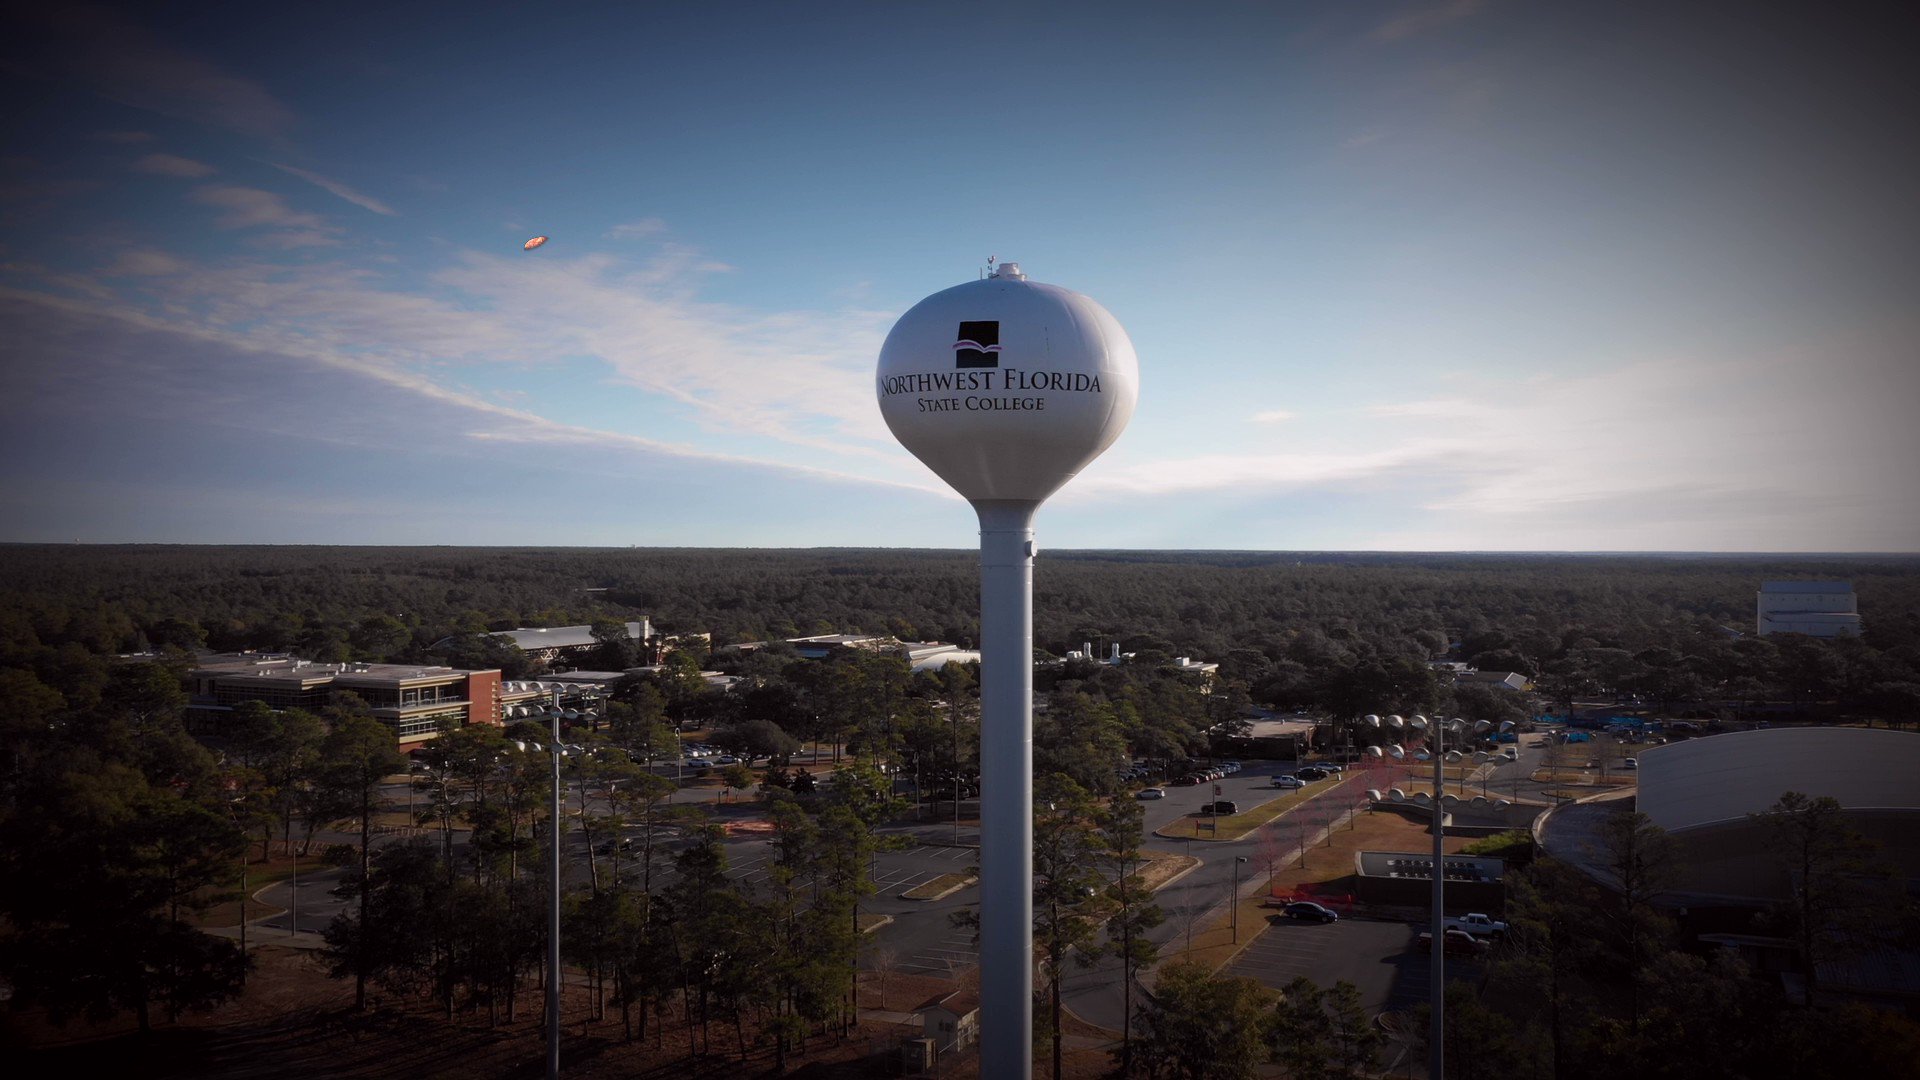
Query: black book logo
[979,345]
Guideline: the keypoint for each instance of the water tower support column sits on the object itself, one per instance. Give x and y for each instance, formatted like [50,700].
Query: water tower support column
[1006,786]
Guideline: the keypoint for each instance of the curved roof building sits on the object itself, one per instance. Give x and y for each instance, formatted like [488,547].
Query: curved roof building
[1701,791]
[1721,779]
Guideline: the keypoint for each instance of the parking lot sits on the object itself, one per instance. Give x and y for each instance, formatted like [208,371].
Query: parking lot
[1380,957]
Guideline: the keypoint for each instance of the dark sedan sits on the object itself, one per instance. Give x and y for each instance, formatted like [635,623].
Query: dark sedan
[1310,912]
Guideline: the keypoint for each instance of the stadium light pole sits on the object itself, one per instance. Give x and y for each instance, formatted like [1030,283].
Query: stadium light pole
[1006,388]
[553,907]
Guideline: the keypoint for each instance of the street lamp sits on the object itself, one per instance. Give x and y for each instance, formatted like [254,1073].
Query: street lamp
[553,910]
[1437,985]
[1233,901]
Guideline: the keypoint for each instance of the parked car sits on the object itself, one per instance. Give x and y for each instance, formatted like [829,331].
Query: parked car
[1478,925]
[1312,772]
[1223,806]
[1630,763]
[1151,793]
[1458,943]
[1288,782]
[1308,911]
[1185,781]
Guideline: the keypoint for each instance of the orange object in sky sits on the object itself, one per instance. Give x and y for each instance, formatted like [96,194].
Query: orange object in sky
[533,243]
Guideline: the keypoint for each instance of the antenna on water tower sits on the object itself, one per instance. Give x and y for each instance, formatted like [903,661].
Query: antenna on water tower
[1006,388]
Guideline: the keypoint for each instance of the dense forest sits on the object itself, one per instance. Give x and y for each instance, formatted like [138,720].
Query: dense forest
[1205,603]
[1331,630]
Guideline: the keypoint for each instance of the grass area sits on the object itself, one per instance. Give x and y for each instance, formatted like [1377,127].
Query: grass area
[1514,845]
[1235,826]
[939,887]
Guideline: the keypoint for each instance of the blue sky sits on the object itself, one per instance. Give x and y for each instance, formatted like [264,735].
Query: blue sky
[1458,275]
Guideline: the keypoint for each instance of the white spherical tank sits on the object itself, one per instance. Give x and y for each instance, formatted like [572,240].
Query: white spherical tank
[1007,387]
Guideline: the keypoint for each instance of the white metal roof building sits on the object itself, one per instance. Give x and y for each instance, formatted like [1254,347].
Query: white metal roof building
[1814,608]
[536,639]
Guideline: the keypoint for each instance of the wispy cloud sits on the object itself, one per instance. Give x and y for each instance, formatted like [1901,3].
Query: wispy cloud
[1434,409]
[144,262]
[97,357]
[802,378]
[131,65]
[335,187]
[1621,458]
[637,230]
[173,165]
[290,239]
[1423,18]
[1272,416]
[125,138]
[247,208]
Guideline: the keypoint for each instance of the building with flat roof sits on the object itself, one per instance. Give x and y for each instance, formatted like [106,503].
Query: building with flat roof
[417,701]
[1815,608]
[922,655]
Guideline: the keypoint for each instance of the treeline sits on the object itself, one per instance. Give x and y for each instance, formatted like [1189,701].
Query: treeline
[118,830]
[1200,602]
[1337,631]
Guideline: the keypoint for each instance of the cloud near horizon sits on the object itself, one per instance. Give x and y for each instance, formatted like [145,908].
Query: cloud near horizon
[1622,458]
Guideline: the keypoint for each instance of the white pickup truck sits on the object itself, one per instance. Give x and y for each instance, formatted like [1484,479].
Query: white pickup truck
[1478,925]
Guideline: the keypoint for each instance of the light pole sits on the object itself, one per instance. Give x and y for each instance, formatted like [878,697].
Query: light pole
[1006,389]
[293,894]
[553,910]
[1437,978]
[1233,898]
[953,713]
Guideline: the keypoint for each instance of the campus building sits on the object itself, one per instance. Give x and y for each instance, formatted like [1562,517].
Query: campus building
[1815,608]
[416,701]
[548,644]
[922,655]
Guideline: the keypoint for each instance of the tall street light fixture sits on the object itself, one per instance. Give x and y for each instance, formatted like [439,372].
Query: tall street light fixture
[1437,980]
[1233,898]
[1006,388]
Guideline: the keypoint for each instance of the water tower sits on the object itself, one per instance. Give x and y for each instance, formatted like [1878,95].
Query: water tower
[1007,388]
